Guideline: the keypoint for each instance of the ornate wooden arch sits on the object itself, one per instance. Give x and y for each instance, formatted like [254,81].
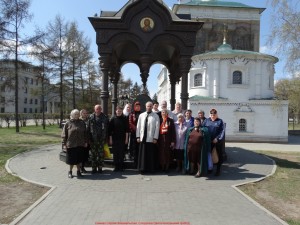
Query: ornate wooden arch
[144,32]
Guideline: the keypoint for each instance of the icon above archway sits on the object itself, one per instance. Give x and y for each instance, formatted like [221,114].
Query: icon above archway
[147,24]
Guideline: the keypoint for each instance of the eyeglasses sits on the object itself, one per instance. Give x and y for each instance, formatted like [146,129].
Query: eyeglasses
[213,113]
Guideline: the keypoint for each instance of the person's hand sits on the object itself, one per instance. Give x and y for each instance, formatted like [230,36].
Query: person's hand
[215,141]
[126,142]
[110,142]
[154,141]
[138,140]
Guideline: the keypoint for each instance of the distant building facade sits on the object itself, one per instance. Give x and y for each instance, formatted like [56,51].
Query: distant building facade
[29,92]
[228,72]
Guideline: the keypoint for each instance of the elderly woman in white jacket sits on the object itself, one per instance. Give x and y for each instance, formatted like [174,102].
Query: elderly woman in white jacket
[147,135]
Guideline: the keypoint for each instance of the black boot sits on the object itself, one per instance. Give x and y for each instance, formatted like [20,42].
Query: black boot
[70,174]
[218,172]
[83,169]
[94,170]
[79,174]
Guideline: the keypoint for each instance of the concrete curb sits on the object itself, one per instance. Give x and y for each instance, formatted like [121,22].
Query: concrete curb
[235,187]
[35,204]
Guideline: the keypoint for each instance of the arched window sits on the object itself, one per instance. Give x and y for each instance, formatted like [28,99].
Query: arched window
[237,77]
[198,80]
[242,125]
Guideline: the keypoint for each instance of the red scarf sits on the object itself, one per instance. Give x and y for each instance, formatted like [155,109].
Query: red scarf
[164,126]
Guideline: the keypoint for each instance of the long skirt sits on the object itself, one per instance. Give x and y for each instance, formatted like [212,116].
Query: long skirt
[148,157]
[74,155]
[118,150]
[86,154]
[164,150]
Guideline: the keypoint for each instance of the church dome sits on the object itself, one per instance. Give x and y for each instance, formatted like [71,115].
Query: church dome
[225,47]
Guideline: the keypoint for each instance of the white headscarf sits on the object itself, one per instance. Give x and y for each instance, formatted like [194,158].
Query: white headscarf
[125,112]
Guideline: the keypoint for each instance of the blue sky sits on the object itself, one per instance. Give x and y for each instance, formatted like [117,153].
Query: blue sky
[79,10]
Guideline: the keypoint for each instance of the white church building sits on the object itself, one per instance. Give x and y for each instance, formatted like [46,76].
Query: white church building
[229,73]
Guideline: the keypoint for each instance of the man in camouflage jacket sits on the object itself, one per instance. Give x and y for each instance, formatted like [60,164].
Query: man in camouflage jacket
[98,133]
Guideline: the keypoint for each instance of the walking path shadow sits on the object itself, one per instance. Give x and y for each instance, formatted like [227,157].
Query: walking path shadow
[130,197]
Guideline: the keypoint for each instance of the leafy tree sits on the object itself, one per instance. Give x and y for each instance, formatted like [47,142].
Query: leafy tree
[154,98]
[135,91]
[289,89]
[285,36]
[145,90]
[13,16]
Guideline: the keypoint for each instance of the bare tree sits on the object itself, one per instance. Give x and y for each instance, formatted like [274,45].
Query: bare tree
[285,36]
[43,53]
[13,15]
[57,31]
[79,55]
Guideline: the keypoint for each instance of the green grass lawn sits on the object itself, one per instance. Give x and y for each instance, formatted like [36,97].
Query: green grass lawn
[280,193]
[294,127]
[12,143]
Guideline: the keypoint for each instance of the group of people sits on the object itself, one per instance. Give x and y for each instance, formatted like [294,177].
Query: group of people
[154,139]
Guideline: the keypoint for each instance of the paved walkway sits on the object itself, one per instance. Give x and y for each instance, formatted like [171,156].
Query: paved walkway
[136,199]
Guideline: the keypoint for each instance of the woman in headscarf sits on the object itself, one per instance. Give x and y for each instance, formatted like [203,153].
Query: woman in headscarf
[133,119]
[166,140]
[180,128]
[196,147]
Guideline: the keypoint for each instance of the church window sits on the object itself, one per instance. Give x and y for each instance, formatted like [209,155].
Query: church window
[237,77]
[198,80]
[242,125]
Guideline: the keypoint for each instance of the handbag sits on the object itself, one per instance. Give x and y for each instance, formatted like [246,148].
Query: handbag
[214,155]
[107,154]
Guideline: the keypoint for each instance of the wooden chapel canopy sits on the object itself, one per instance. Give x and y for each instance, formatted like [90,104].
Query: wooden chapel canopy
[144,32]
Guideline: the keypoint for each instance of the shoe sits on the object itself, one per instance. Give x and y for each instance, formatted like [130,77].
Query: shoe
[70,174]
[83,170]
[79,174]
[198,174]
[94,170]
[217,173]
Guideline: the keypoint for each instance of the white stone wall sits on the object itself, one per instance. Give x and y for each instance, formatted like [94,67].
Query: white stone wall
[266,120]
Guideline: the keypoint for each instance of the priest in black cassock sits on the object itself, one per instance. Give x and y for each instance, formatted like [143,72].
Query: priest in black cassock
[147,135]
